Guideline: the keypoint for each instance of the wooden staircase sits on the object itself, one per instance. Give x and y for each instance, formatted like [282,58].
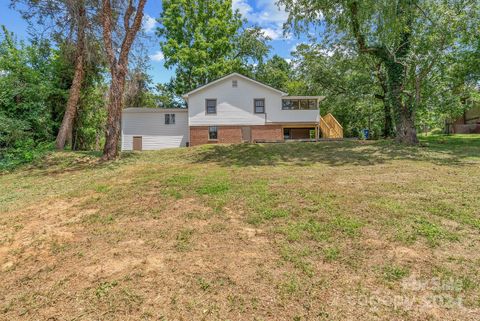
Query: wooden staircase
[330,127]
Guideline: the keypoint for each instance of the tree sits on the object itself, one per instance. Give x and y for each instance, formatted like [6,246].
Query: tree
[138,92]
[380,73]
[118,61]
[63,16]
[29,90]
[165,97]
[408,38]
[347,81]
[74,97]
[275,72]
[204,40]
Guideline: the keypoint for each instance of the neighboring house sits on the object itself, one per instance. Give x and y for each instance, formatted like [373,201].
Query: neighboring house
[232,109]
[469,123]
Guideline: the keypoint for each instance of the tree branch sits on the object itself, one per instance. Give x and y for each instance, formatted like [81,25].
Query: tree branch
[107,31]
[131,32]
[378,51]
[128,14]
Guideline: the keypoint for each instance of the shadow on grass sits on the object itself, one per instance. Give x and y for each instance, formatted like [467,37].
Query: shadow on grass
[440,150]
[65,162]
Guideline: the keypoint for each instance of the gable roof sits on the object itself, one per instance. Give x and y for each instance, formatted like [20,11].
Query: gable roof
[232,75]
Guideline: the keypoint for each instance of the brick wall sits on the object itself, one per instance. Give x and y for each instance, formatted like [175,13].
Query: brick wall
[233,134]
[229,134]
[198,136]
[226,135]
[267,133]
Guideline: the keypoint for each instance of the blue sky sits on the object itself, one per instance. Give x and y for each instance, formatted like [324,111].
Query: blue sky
[263,13]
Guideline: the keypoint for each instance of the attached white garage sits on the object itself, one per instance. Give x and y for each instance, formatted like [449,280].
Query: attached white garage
[154,128]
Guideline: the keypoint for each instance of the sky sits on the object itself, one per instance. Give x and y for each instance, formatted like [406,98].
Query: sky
[262,13]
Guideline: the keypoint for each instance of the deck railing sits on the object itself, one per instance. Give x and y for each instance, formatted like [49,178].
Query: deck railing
[330,127]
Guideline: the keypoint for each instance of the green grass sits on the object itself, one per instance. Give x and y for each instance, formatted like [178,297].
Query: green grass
[394,273]
[228,232]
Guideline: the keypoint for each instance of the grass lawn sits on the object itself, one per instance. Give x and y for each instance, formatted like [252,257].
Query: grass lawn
[297,231]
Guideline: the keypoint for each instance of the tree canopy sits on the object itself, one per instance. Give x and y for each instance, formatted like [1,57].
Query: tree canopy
[413,40]
[393,67]
[206,39]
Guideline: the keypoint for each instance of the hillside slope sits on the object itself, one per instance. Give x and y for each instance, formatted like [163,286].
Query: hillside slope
[327,231]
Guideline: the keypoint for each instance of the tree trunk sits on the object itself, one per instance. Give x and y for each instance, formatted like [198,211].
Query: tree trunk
[404,110]
[395,70]
[388,121]
[74,95]
[118,69]
[387,108]
[406,131]
[114,118]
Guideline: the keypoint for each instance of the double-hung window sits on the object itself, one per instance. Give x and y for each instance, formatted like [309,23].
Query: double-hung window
[169,119]
[212,133]
[259,106]
[211,106]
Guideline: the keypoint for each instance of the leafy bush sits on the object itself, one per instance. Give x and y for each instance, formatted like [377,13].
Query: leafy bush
[24,151]
[29,99]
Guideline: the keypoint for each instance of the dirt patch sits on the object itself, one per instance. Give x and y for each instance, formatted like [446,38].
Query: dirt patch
[327,234]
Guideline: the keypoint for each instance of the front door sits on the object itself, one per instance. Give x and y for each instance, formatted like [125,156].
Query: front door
[246,134]
[137,143]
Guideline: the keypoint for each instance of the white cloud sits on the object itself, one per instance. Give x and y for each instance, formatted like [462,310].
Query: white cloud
[327,52]
[295,46]
[242,6]
[274,34]
[289,60]
[158,56]
[266,14]
[149,23]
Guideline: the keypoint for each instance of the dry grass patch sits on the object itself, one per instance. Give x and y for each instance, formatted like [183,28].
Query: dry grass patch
[328,231]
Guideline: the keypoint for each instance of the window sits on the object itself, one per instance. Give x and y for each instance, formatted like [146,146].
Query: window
[287,104]
[295,104]
[234,83]
[211,106]
[259,105]
[303,104]
[299,104]
[169,119]
[212,133]
[286,133]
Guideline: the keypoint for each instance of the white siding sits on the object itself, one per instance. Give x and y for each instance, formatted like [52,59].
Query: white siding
[235,105]
[155,134]
[293,116]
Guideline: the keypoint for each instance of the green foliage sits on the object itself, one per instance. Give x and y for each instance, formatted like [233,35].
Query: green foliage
[427,51]
[349,84]
[35,80]
[90,120]
[276,72]
[205,40]
[28,85]
[164,96]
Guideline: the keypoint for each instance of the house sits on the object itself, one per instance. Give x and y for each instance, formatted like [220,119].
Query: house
[232,109]
[468,123]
